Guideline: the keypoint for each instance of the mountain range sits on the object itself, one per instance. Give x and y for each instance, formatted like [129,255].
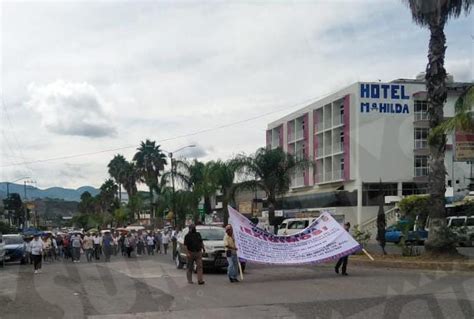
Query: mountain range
[32,192]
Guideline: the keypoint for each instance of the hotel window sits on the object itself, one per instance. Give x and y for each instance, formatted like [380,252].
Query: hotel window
[421,166]
[421,138]
[341,113]
[421,110]
[342,164]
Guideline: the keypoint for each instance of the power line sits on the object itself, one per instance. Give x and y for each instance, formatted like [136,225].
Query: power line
[170,138]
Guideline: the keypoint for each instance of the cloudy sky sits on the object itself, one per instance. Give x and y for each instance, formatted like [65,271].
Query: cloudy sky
[87,77]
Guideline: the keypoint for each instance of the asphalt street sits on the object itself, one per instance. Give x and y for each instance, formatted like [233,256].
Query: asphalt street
[152,287]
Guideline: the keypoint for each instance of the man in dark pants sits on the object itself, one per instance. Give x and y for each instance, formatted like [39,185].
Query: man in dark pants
[343,260]
[194,249]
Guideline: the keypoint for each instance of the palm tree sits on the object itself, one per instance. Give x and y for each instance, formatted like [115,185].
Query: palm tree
[463,119]
[434,14]
[124,173]
[150,161]
[198,178]
[224,173]
[272,169]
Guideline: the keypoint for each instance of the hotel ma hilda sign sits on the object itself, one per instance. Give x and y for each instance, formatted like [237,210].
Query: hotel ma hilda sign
[383,98]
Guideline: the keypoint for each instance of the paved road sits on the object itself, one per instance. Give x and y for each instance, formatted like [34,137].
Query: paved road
[151,287]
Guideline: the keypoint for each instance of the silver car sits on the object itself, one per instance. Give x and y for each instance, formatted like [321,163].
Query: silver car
[213,238]
[2,251]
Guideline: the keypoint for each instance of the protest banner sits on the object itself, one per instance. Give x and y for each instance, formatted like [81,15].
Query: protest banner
[324,240]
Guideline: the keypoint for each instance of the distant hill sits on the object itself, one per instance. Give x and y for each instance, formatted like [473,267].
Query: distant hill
[66,194]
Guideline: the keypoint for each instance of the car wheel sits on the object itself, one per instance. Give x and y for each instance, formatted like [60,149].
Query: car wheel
[22,261]
[179,263]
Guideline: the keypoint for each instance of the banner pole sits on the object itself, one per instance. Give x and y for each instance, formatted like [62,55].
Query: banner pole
[368,255]
[240,271]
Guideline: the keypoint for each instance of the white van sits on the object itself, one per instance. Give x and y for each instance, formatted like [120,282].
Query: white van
[292,226]
[464,227]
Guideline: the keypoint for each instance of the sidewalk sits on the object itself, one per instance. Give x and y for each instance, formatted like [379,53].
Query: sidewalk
[394,261]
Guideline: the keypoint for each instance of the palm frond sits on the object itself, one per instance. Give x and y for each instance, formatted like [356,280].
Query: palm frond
[425,12]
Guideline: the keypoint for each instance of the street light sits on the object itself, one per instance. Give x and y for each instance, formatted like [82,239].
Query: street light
[173,171]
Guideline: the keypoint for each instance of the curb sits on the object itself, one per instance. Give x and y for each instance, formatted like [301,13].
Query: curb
[414,264]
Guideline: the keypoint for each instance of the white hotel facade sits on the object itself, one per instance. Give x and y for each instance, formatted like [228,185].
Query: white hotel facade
[360,135]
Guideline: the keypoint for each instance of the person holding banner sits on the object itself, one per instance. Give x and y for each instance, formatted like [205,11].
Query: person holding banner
[343,260]
[231,254]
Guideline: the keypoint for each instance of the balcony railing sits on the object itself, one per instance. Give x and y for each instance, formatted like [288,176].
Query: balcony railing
[319,178]
[338,147]
[421,116]
[319,152]
[338,120]
[420,144]
[337,175]
[327,176]
[327,150]
[299,135]
[297,181]
[327,123]
[421,171]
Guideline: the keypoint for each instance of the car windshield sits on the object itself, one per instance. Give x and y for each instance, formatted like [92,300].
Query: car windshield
[457,222]
[13,240]
[212,234]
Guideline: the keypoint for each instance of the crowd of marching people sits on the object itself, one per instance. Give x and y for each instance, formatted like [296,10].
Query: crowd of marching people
[95,245]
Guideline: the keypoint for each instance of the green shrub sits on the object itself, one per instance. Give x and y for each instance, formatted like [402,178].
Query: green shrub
[362,237]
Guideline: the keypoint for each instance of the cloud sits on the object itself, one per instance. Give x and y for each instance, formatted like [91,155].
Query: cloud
[71,109]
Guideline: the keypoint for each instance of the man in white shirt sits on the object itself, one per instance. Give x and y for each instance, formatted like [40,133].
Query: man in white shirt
[166,241]
[97,244]
[37,247]
[150,242]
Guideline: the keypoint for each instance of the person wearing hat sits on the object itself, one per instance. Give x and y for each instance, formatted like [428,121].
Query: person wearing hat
[194,249]
[343,260]
[231,254]
[37,247]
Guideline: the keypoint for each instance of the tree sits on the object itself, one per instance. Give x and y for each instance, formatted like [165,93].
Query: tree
[204,182]
[150,161]
[272,170]
[225,174]
[14,206]
[463,119]
[135,205]
[124,173]
[107,197]
[434,14]
[381,221]
[87,204]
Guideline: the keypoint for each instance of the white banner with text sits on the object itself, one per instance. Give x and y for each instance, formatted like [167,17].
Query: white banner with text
[324,240]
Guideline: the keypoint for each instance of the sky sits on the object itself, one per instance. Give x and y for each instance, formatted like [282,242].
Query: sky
[82,81]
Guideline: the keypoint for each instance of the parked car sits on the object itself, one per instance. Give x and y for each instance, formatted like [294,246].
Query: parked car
[213,238]
[292,226]
[2,251]
[463,226]
[15,248]
[395,234]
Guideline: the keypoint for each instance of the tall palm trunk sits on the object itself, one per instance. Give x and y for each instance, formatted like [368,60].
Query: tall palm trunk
[437,94]
[152,215]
